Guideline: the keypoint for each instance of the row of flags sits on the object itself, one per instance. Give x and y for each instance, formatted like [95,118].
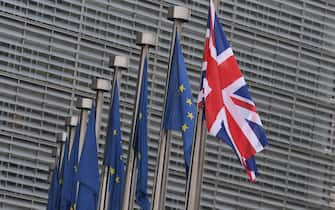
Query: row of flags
[76,185]
[229,111]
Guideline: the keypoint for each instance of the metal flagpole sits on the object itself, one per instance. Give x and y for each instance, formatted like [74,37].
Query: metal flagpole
[178,15]
[198,154]
[51,168]
[61,139]
[56,153]
[101,86]
[84,104]
[118,63]
[71,122]
[195,174]
[216,4]
[146,40]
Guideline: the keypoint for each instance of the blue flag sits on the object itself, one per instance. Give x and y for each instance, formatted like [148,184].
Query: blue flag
[53,191]
[113,156]
[60,201]
[180,110]
[69,188]
[141,145]
[88,171]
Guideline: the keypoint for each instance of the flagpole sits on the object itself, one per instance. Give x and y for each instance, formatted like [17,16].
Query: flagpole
[56,153]
[84,104]
[100,86]
[61,139]
[216,4]
[71,122]
[198,154]
[179,15]
[51,169]
[145,40]
[119,63]
[195,174]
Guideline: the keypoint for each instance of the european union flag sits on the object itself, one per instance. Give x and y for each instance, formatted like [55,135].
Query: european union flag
[88,171]
[141,145]
[69,188]
[113,156]
[180,110]
[53,191]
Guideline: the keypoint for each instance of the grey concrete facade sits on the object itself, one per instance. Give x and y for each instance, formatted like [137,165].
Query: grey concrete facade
[51,50]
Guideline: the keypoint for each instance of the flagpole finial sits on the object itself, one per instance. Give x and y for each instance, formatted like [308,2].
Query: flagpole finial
[179,13]
[71,121]
[119,61]
[84,103]
[61,137]
[101,84]
[146,38]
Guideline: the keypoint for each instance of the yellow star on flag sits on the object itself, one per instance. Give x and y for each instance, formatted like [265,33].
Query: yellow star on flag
[117,179]
[184,127]
[75,169]
[114,132]
[140,116]
[139,156]
[181,88]
[189,101]
[190,115]
[112,171]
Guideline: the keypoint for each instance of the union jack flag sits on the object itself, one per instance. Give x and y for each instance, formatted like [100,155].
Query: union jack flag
[230,112]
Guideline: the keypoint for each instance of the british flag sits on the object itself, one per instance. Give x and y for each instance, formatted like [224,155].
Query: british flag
[230,112]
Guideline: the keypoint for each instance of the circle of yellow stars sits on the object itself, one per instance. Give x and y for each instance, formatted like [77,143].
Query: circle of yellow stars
[189,102]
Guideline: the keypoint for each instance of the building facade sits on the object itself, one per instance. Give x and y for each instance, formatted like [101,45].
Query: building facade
[51,50]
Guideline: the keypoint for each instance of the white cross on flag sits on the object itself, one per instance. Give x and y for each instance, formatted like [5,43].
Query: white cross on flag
[229,110]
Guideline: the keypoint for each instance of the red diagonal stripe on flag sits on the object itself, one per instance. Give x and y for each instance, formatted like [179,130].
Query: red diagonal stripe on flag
[244,104]
[242,143]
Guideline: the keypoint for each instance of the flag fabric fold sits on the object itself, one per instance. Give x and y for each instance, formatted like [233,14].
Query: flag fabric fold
[113,156]
[88,171]
[230,112]
[70,185]
[141,145]
[180,110]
